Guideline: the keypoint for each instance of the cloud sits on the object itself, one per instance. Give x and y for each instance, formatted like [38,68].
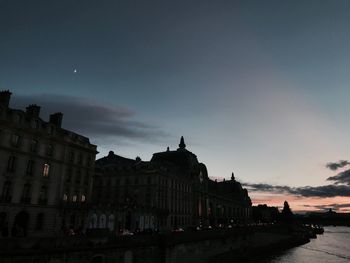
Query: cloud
[92,119]
[307,191]
[339,164]
[345,206]
[341,178]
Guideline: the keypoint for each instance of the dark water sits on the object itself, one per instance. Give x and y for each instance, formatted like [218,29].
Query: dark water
[333,246]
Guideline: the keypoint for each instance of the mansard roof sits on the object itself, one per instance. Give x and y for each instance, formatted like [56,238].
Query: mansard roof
[113,159]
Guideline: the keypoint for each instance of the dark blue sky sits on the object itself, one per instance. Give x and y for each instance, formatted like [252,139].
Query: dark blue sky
[259,87]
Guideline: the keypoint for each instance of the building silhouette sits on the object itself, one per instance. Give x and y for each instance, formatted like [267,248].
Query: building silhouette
[45,173]
[170,191]
[50,183]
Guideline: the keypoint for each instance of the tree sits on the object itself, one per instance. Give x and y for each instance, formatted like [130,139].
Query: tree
[287,214]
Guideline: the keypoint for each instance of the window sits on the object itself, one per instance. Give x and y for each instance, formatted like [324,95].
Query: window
[11,164]
[80,159]
[43,195]
[83,198]
[39,221]
[71,156]
[49,150]
[69,175]
[87,178]
[88,160]
[74,198]
[78,177]
[34,145]
[35,124]
[65,197]
[6,192]
[50,130]
[17,118]
[46,170]
[30,167]
[15,140]
[26,193]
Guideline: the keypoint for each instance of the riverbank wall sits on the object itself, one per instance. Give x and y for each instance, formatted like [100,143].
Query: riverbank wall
[211,246]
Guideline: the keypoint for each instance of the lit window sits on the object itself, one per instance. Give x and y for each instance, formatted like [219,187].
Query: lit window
[74,199]
[83,198]
[65,197]
[46,170]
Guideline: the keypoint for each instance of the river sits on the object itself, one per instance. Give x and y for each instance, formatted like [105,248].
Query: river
[331,247]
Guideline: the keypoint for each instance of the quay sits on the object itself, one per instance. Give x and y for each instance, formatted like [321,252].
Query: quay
[201,246]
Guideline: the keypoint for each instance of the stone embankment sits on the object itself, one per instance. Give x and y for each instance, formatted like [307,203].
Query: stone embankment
[243,243]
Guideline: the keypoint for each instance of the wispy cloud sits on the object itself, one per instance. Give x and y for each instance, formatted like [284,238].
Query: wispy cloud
[93,119]
[345,206]
[336,165]
[307,191]
[341,178]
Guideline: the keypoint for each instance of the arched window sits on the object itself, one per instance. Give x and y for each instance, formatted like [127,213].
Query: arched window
[93,221]
[102,223]
[111,222]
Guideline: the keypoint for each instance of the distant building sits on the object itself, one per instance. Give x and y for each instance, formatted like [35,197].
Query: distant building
[45,173]
[170,191]
[265,214]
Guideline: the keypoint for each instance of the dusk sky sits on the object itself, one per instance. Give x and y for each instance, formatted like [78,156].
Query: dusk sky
[260,88]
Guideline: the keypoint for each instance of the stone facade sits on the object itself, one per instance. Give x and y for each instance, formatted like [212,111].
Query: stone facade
[170,191]
[45,173]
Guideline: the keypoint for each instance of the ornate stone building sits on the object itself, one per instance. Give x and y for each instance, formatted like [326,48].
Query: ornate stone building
[45,173]
[170,191]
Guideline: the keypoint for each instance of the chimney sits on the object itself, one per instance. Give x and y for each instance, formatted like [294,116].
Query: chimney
[5,96]
[56,119]
[33,110]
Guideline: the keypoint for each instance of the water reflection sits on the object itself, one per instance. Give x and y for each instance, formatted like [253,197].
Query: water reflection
[331,247]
